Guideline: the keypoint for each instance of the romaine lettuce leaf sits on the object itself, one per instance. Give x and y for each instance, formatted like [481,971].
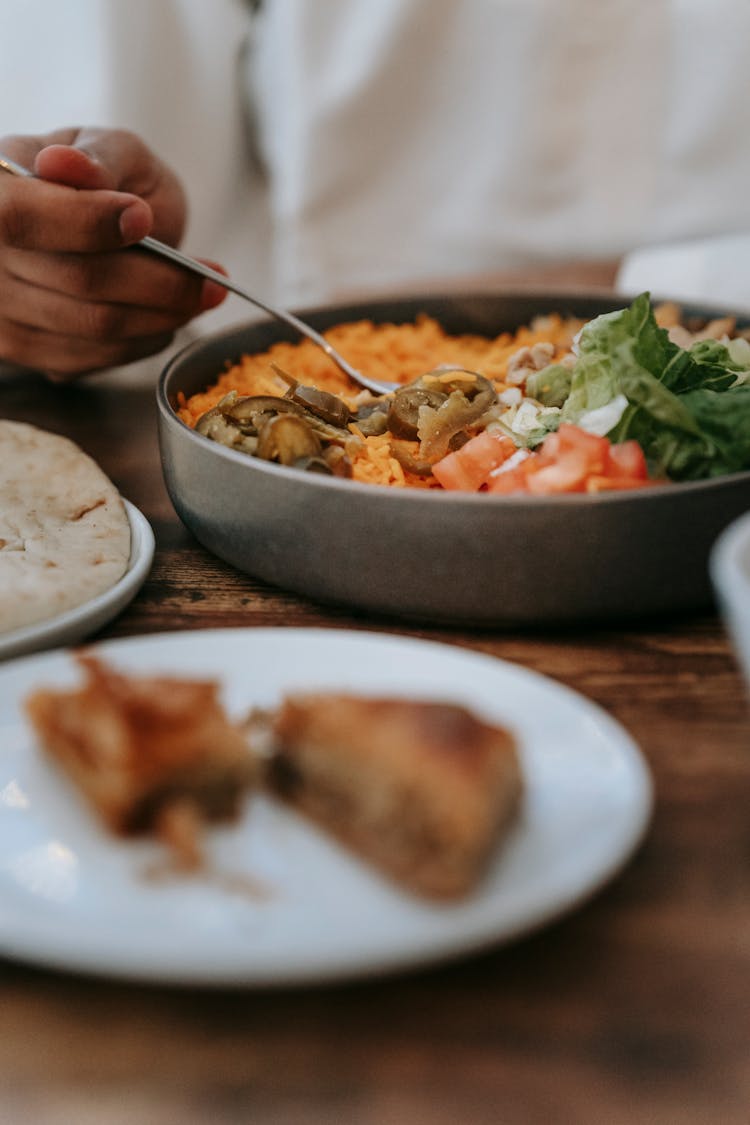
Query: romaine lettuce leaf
[687,408]
[707,364]
[724,418]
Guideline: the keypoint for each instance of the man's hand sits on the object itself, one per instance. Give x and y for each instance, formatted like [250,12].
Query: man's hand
[71,300]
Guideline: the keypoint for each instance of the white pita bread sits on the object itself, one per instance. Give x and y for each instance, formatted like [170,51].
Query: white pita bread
[64,531]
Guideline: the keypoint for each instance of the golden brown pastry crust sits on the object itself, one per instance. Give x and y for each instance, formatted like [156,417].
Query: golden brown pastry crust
[134,744]
[421,789]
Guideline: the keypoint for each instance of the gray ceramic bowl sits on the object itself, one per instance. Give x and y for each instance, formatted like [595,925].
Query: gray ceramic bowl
[434,556]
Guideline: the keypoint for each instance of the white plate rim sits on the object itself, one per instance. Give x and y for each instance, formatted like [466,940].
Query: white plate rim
[729,577]
[29,939]
[81,620]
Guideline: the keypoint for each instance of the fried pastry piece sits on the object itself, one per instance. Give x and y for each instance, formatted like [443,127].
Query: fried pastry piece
[422,790]
[151,753]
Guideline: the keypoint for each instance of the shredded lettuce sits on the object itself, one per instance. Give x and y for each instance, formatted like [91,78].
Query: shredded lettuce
[551,385]
[603,419]
[689,409]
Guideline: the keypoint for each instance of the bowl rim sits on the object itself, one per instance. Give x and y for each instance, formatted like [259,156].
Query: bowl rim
[653,493]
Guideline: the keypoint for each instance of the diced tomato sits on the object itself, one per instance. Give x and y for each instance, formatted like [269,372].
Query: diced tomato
[569,460]
[551,445]
[627,460]
[591,447]
[469,467]
[566,473]
[612,484]
[514,480]
[565,459]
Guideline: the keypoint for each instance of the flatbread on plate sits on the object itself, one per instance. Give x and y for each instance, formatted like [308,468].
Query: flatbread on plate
[64,531]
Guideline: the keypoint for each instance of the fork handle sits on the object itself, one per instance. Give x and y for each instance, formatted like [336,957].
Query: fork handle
[164,251]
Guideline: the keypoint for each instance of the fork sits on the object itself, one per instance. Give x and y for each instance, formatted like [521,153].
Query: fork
[154,246]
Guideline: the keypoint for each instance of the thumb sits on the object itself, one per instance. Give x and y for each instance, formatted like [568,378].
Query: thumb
[79,168]
[67,164]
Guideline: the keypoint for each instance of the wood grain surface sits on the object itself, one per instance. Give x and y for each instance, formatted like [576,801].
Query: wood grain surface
[635,1008]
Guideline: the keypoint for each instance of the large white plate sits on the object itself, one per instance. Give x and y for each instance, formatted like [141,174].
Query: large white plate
[83,620]
[72,897]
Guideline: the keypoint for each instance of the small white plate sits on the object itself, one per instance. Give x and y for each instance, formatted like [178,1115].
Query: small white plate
[82,620]
[73,897]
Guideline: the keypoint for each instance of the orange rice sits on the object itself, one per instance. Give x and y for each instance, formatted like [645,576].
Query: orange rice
[396,353]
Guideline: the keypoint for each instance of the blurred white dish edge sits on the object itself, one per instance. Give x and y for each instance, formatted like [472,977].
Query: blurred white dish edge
[730,573]
[83,620]
[712,271]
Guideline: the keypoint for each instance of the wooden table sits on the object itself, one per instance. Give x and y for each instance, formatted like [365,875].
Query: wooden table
[636,1008]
